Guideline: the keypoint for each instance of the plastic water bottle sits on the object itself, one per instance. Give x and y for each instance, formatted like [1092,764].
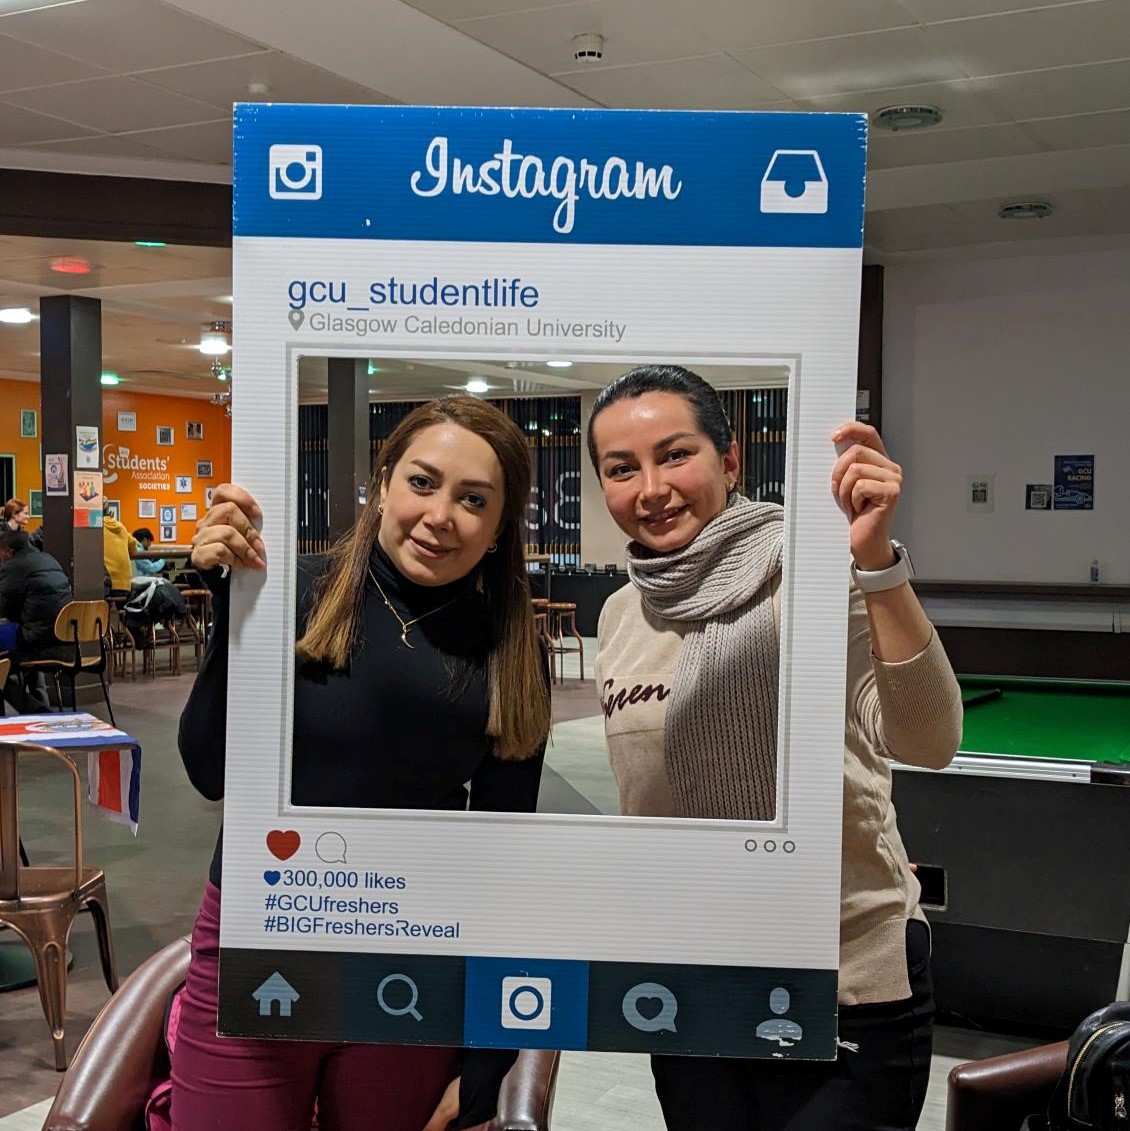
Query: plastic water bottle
[1095,571]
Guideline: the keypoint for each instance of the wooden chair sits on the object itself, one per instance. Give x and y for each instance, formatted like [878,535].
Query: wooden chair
[5,668]
[40,903]
[79,623]
[119,640]
[562,623]
[199,603]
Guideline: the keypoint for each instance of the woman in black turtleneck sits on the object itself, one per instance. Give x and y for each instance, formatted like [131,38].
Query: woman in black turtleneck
[407,631]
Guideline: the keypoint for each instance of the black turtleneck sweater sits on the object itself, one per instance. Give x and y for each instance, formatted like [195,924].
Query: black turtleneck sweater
[399,729]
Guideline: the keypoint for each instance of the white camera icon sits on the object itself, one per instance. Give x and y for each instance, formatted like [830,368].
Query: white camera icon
[295,172]
[527,1003]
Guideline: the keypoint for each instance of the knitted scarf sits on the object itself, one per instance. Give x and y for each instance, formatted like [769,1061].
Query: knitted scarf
[720,735]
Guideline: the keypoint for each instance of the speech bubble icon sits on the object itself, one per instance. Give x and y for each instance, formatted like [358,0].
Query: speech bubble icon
[330,848]
[662,1021]
[297,317]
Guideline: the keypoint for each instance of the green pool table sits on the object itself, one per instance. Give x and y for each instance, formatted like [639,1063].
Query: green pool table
[1024,851]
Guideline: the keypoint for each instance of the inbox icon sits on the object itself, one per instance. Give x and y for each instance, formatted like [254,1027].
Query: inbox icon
[795,181]
[295,172]
[527,1003]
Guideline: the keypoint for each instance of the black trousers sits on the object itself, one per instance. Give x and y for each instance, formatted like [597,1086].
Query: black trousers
[880,1087]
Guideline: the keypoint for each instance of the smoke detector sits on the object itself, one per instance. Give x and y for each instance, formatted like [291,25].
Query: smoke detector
[588,48]
[898,118]
[1025,210]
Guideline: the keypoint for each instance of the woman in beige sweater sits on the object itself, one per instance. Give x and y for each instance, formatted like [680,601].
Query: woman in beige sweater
[699,625]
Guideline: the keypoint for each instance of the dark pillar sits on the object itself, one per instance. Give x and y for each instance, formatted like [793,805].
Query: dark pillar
[348,440]
[70,359]
[870,378]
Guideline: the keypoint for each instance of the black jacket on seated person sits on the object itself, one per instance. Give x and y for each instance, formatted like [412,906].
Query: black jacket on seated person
[33,588]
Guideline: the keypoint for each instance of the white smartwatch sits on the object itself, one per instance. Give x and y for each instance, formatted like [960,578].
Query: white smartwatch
[876,580]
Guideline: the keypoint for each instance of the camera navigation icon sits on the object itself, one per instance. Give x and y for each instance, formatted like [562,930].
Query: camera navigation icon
[795,181]
[651,1021]
[527,1003]
[295,172]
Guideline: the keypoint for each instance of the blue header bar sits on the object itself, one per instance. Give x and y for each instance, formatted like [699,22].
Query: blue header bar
[550,176]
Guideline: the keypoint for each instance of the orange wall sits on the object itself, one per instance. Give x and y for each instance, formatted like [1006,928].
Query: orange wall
[132,485]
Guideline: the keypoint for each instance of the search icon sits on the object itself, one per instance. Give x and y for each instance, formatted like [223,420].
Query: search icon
[400,1010]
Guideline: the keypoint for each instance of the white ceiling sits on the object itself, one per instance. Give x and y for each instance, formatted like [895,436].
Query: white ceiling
[1036,97]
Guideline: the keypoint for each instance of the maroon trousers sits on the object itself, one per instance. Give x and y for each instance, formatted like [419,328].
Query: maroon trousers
[222,1083]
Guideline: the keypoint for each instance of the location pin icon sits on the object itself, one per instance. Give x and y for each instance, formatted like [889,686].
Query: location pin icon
[297,317]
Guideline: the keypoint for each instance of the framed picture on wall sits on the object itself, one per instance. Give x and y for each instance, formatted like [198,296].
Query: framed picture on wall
[168,533]
[165,435]
[168,516]
[203,469]
[194,429]
[113,507]
[127,421]
[29,424]
[188,512]
[208,491]
[184,485]
[146,508]
[35,503]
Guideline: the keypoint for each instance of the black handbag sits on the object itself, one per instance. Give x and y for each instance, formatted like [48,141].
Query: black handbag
[1093,1094]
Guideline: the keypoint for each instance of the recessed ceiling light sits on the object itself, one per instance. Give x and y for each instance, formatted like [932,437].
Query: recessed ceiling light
[16,316]
[559,364]
[477,385]
[110,379]
[1025,210]
[70,265]
[898,118]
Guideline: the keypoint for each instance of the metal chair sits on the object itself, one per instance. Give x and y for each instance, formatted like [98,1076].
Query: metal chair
[79,623]
[40,903]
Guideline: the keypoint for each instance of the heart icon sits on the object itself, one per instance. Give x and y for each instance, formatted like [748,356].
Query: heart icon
[272,877]
[283,844]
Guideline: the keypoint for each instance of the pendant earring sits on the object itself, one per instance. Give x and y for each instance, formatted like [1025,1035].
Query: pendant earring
[381,510]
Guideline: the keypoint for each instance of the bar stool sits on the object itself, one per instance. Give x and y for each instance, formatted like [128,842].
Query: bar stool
[563,621]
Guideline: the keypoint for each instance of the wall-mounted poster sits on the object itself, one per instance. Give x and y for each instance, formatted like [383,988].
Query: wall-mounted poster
[168,516]
[168,533]
[194,429]
[208,493]
[188,512]
[55,477]
[88,499]
[127,421]
[29,424]
[113,508]
[87,451]
[146,508]
[35,504]
[979,493]
[184,485]
[164,435]
[203,469]
[1074,483]
[1038,497]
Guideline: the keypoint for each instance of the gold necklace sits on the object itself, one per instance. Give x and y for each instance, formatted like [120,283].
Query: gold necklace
[405,625]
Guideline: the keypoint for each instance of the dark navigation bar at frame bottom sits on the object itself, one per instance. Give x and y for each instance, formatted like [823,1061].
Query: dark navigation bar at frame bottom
[734,1011]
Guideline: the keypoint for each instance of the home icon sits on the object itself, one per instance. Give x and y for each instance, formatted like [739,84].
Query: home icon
[276,989]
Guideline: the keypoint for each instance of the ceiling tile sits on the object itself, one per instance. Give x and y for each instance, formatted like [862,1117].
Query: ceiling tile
[543,39]
[1053,93]
[931,147]
[102,145]
[959,104]
[714,82]
[903,57]
[933,11]
[125,35]
[449,11]
[23,65]
[1082,131]
[224,81]
[210,142]
[906,229]
[19,126]
[1046,37]
[114,105]
[733,25]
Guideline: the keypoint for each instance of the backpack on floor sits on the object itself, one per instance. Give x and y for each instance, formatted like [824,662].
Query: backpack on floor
[1093,1094]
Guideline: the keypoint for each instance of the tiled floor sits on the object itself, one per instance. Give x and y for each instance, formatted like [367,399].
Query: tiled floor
[155,884]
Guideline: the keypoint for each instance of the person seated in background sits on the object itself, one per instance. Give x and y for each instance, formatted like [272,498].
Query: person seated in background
[116,554]
[17,515]
[143,567]
[33,588]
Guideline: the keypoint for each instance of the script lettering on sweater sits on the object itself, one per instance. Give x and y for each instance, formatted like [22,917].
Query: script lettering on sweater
[612,700]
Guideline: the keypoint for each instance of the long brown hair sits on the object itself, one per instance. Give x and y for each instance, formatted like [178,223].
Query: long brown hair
[519,699]
[12,508]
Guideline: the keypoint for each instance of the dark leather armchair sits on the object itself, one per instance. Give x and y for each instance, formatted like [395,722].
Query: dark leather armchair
[996,1094]
[123,1056]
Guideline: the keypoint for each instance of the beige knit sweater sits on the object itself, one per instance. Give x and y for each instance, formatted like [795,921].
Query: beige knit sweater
[908,711]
